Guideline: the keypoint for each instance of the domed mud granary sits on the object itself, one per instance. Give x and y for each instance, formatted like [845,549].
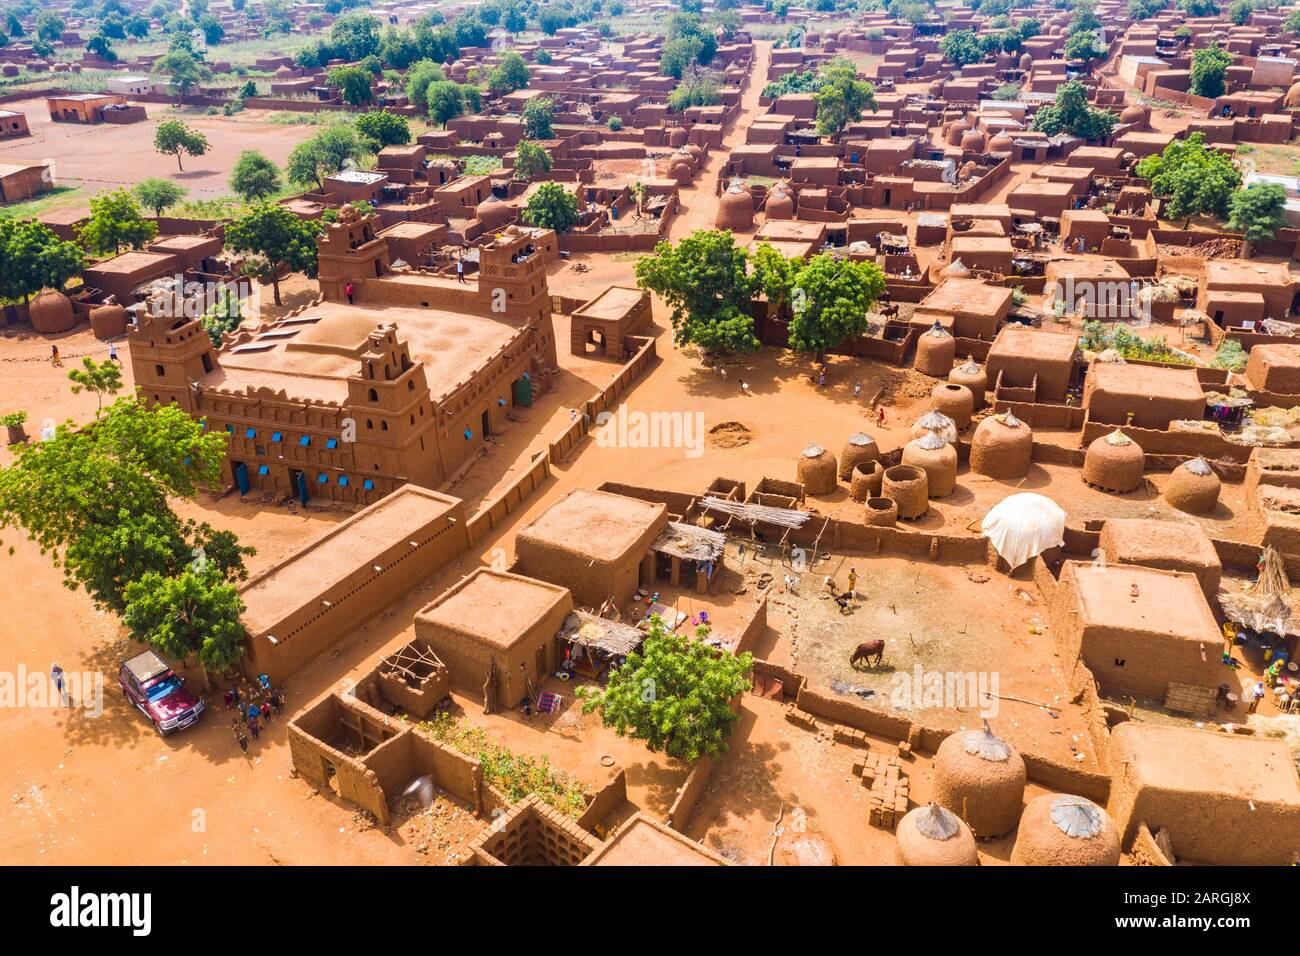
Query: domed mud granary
[1065,830]
[817,471]
[681,171]
[935,350]
[971,374]
[937,459]
[735,209]
[879,512]
[1193,487]
[908,487]
[955,401]
[108,321]
[861,448]
[677,136]
[1135,115]
[935,421]
[1002,143]
[933,836]
[494,214]
[1292,96]
[779,203]
[972,141]
[1114,462]
[1002,447]
[865,481]
[981,778]
[51,312]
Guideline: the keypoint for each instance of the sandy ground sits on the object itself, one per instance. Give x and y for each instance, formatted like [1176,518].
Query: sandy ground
[106,156]
[195,798]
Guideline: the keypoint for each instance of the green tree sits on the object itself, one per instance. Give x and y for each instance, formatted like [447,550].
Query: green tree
[1082,47]
[776,275]
[255,177]
[324,154]
[49,26]
[192,614]
[14,26]
[1200,8]
[1190,179]
[530,160]
[355,36]
[539,114]
[102,378]
[158,194]
[842,97]
[137,26]
[705,279]
[172,137]
[102,46]
[510,74]
[224,315]
[552,207]
[183,70]
[34,259]
[961,47]
[277,239]
[418,78]
[1210,71]
[213,31]
[446,101]
[1292,24]
[353,84]
[697,88]
[673,693]
[831,301]
[114,221]
[1257,212]
[1070,113]
[382,128]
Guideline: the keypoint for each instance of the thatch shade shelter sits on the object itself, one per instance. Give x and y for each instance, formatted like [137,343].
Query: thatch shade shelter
[1023,526]
[1114,462]
[1269,605]
[1065,830]
[817,471]
[590,644]
[933,836]
[981,777]
[688,552]
[1193,487]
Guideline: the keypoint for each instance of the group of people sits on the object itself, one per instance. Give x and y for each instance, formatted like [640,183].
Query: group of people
[255,706]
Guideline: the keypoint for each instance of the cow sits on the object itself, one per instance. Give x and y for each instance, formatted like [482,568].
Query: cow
[867,651]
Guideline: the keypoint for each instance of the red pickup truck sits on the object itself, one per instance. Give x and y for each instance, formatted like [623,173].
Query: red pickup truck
[158,693]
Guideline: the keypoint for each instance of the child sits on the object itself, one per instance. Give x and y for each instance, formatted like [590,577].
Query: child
[254,728]
[230,700]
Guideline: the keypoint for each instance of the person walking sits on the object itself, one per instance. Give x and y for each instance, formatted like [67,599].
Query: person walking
[54,357]
[112,353]
[460,270]
[56,677]
[881,417]
[254,728]
[348,290]
[857,389]
[853,581]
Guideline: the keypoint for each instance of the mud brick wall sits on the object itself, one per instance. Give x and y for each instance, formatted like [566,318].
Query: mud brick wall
[606,800]
[678,503]
[754,628]
[833,707]
[1145,851]
[516,493]
[689,794]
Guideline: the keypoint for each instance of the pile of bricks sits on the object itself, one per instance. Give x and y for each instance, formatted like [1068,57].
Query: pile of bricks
[883,774]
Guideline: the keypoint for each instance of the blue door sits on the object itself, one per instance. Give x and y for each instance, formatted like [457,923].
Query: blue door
[300,485]
[241,477]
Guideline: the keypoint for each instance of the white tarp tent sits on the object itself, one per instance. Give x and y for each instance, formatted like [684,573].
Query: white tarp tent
[1024,525]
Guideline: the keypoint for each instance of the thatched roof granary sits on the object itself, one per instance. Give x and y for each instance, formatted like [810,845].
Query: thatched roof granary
[1193,487]
[861,448]
[937,459]
[735,209]
[933,836]
[981,778]
[1002,447]
[817,471]
[1065,830]
[935,351]
[935,421]
[1114,462]
[971,374]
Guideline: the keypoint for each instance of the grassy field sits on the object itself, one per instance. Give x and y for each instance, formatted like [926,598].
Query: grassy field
[1274,160]
[56,198]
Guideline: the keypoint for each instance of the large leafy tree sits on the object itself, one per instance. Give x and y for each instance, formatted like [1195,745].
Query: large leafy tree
[697,88]
[277,240]
[1258,212]
[1210,71]
[552,207]
[183,70]
[353,84]
[114,221]
[842,97]
[49,26]
[382,128]
[418,78]
[1070,113]
[1083,47]
[172,137]
[961,47]
[674,693]
[531,160]
[1191,179]
[776,275]
[446,101]
[706,281]
[158,194]
[539,115]
[324,154]
[355,36]
[255,177]
[34,258]
[191,614]
[510,74]
[831,300]
[96,498]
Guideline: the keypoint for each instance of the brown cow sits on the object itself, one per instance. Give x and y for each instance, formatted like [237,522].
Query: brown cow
[867,651]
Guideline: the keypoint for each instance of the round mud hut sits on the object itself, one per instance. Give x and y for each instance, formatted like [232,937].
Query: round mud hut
[981,778]
[860,449]
[955,401]
[1065,830]
[1002,447]
[108,321]
[1115,463]
[1193,487]
[971,374]
[935,421]
[935,351]
[933,836]
[937,459]
[865,480]
[817,471]
[735,209]
[51,312]
[908,487]
[779,203]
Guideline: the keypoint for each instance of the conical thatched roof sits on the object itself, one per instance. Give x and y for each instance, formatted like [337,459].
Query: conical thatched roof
[813,451]
[936,823]
[1117,437]
[987,745]
[1077,817]
[1199,466]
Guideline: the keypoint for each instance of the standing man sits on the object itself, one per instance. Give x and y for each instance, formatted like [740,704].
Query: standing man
[348,291]
[54,357]
[460,269]
[56,676]
[112,353]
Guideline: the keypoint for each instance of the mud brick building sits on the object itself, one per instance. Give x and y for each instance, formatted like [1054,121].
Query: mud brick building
[13,124]
[1027,365]
[350,401]
[1153,396]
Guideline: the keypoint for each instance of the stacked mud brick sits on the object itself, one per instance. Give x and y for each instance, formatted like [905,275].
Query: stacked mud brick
[883,774]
